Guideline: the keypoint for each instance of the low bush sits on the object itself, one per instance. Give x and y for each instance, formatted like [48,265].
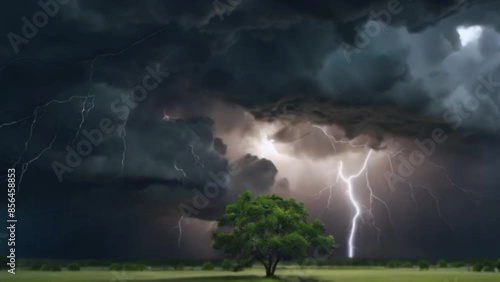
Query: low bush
[74,266]
[478,267]
[423,265]
[207,266]
[116,267]
[226,265]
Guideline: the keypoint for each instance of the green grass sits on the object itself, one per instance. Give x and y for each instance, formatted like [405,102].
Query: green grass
[289,274]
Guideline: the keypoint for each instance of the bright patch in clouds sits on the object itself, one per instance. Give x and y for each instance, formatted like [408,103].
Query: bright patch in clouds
[469,34]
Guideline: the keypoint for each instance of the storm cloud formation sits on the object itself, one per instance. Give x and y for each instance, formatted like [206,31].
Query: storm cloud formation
[210,80]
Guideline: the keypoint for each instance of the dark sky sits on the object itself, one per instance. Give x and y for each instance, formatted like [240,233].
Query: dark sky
[119,114]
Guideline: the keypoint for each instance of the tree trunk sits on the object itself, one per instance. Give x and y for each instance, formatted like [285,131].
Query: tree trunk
[269,267]
[273,269]
[269,272]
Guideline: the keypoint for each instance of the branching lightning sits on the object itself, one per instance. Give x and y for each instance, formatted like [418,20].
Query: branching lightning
[24,166]
[195,156]
[354,201]
[358,207]
[370,210]
[348,181]
[84,104]
[34,119]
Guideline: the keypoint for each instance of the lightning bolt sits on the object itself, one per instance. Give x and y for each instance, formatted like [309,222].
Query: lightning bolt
[348,181]
[195,156]
[354,201]
[180,170]
[34,119]
[88,99]
[370,210]
[124,146]
[358,208]
[24,166]
[179,225]
[84,104]
[334,141]
[452,183]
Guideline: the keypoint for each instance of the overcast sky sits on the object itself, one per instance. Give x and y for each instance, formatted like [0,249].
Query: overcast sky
[122,116]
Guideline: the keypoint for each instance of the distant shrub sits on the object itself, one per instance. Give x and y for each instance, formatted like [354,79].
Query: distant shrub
[74,266]
[478,267]
[423,264]
[116,267]
[407,264]
[226,265]
[393,264]
[207,266]
[489,267]
[238,268]
[442,263]
[179,266]
[497,263]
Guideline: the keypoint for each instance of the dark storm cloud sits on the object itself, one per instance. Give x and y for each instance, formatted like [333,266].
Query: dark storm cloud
[279,60]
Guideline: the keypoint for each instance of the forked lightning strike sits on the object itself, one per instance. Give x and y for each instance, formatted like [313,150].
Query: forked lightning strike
[354,201]
[195,156]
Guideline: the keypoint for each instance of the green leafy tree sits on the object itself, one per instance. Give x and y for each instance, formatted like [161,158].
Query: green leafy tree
[478,266]
[442,263]
[269,229]
[423,264]
[207,266]
[489,266]
[226,264]
[497,263]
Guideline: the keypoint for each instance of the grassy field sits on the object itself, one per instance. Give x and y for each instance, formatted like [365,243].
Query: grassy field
[290,275]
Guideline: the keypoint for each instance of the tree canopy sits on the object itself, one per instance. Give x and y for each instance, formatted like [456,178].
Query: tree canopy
[269,229]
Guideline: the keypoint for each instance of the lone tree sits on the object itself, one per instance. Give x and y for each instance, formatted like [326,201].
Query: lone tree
[269,229]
